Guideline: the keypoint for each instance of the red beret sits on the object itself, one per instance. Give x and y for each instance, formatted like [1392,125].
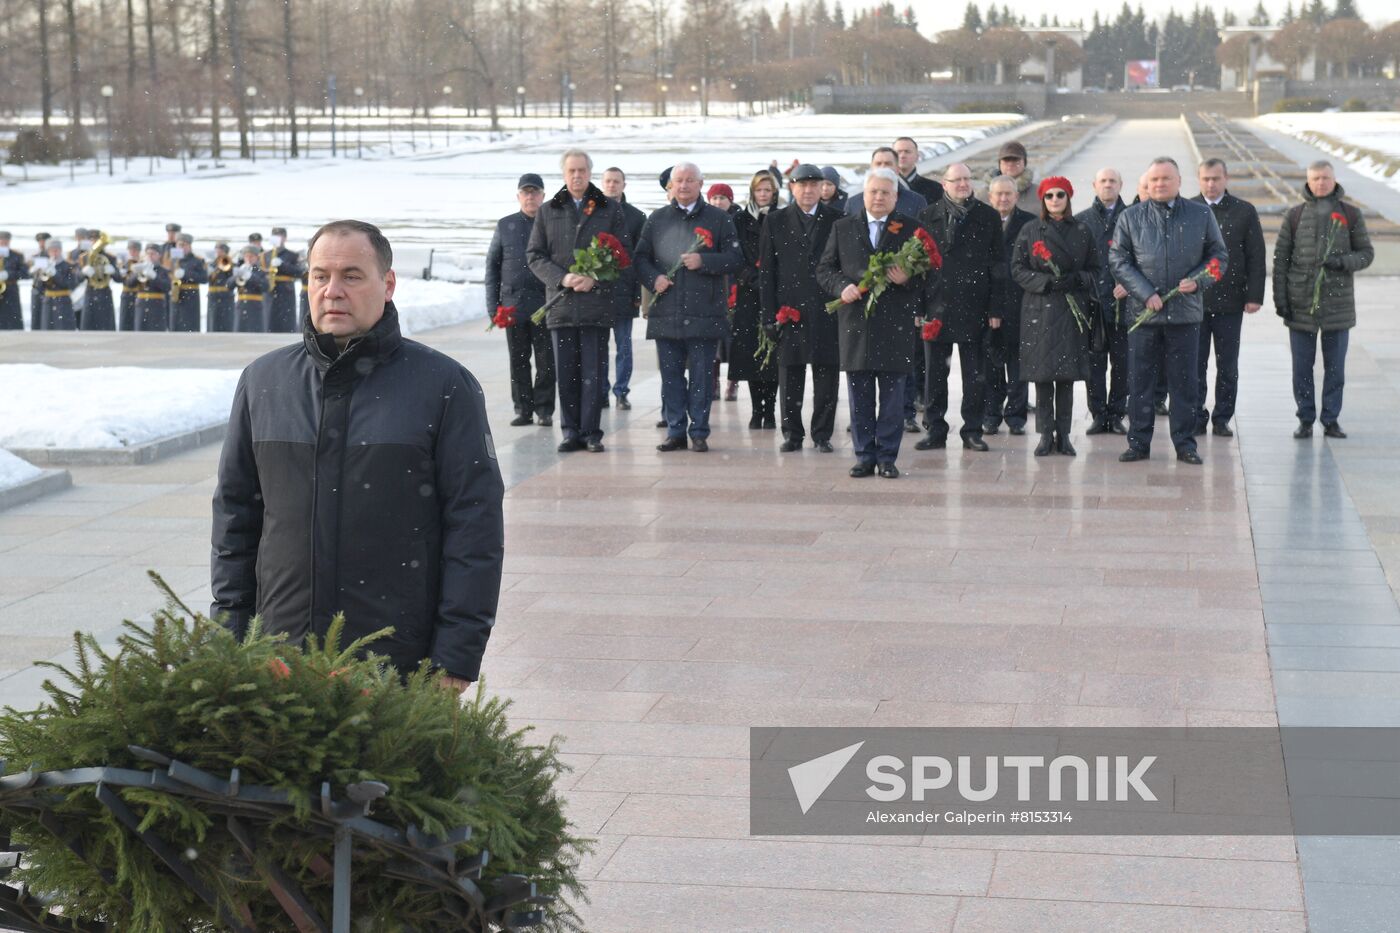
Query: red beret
[1054,181]
[720,188]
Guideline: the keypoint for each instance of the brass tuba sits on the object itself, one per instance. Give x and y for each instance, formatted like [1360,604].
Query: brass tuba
[101,278]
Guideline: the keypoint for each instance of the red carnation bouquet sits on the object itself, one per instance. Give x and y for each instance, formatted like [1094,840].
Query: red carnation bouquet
[1042,252]
[787,314]
[1212,271]
[504,317]
[1337,222]
[703,238]
[603,261]
[930,329]
[916,257]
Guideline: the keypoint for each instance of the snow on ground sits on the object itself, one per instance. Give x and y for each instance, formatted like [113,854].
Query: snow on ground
[14,471]
[449,197]
[1369,142]
[118,406]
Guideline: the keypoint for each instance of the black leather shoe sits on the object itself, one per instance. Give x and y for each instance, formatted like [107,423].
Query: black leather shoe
[1222,430]
[910,427]
[661,423]
[595,447]
[863,469]
[1132,455]
[824,446]
[1200,430]
[623,403]
[1303,431]
[671,443]
[791,445]
[929,443]
[974,443]
[568,447]
[1046,447]
[1063,445]
[1100,426]
[699,445]
[755,422]
[607,401]
[989,428]
[1160,408]
[522,420]
[889,471]
[545,421]
[1115,426]
[1017,430]
[1333,430]
[1187,455]
[769,424]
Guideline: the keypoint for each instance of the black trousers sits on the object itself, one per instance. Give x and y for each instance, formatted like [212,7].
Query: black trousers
[1180,343]
[581,362]
[1108,377]
[1054,406]
[1007,395]
[939,356]
[1224,331]
[792,387]
[535,395]
[762,396]
[1159,391]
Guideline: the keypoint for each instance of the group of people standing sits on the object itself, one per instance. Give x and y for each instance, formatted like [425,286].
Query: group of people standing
[160,283]
[1132,299]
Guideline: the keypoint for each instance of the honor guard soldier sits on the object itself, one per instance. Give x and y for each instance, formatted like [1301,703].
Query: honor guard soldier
[250,313]
[82,240]
[98,268]
[12,269]
[36,289]
[171,232]
[152,285]
[126,313]
[221,291]
[188,272]
[283,270]
[59,278]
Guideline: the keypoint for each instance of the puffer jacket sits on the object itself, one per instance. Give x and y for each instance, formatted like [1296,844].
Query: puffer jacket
[560,228]
[696,306]
[1298,256]
[1155,247]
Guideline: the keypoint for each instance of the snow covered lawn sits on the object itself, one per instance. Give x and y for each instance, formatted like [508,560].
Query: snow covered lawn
[108,407]
[14,471]
[1368,142]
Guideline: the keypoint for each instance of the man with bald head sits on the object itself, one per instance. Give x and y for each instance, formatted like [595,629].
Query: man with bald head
[968,234]
[1108,379]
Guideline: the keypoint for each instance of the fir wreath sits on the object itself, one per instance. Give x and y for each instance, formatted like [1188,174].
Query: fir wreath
[286,718]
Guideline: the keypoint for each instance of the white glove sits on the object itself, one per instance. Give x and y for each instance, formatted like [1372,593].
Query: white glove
[243,274]
[89,272]
[41,263]
[277,262]
[179,274]
[4,276]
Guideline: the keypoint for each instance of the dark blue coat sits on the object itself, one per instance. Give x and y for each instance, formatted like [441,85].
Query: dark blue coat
[696,306]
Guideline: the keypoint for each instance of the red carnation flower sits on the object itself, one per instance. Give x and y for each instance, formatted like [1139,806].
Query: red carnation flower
[1213,269]
[614,246]
[787,314]
[932,329]
[935,257]
[1040,251]
[1339,218]
[733,295]
[705,237]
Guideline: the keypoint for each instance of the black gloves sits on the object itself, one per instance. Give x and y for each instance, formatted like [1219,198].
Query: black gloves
[1062,283]
[1334,262]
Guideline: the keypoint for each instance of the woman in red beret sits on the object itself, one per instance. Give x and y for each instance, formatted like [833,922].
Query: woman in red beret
[1056,263]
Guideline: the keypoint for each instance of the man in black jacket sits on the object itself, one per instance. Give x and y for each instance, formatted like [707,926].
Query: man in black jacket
[789,246]
[579,322]
[358,475]
[629,299]
[907,152]
[1007,394]
[968,233]
[1108,378]
[689,315]
[1241,290]
[511,284]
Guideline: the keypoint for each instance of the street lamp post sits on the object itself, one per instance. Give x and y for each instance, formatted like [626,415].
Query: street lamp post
[617,100]
[252,93]
[695,89]
[446,112]
[360,123]
[664,89]
[571,87]
[107,93]
[520,98]
[330,87]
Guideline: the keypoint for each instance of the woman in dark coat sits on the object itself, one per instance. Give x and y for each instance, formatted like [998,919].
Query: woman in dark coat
[748,317]
[1055,259]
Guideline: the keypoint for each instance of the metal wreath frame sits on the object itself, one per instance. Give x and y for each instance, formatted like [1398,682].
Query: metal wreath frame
[471,903]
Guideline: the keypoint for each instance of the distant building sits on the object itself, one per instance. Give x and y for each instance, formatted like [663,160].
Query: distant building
[1034,68]
[1263,64]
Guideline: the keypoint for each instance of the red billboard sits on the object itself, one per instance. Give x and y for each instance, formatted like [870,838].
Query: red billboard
[1140,73]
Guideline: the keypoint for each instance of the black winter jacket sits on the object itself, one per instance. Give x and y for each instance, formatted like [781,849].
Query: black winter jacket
[560,228]
[697,303]
[362,481]
[509,280]
[1244,274]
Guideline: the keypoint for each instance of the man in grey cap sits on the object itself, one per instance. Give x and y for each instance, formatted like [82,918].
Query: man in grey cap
[221,287]
[126,313]
[12,269]
[171,231]
[187,272]
[511,285]
[283,269]
[1012,162]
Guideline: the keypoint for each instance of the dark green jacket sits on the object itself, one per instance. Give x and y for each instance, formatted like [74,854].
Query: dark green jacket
[1298,256]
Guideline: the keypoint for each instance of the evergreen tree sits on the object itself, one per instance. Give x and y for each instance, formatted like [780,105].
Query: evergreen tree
[1260,16]
[972,18]
[1288,14]
[1316,12]
[1345,9]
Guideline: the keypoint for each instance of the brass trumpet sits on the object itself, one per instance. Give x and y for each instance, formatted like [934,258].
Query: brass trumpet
[224,264]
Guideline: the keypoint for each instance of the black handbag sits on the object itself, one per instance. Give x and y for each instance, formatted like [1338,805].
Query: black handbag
[1098,329]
